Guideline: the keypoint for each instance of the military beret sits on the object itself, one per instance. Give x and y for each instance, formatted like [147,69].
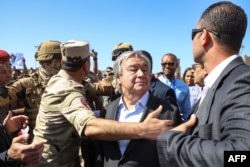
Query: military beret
[4,56]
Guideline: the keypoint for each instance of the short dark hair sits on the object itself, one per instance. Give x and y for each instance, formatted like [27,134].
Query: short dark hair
[74,67]
[228,20]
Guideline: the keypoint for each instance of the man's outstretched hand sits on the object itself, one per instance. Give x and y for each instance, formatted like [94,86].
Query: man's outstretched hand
[185,127]
[25,153]
[154,126]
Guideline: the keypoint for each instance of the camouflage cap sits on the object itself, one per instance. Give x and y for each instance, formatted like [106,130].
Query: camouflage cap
[74,51]
[4,56]
[120,48]
[48,50]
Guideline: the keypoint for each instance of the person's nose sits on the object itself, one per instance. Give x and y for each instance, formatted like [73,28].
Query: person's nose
[140,72]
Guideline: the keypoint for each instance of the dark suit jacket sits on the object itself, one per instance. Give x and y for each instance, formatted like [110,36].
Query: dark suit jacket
[223,123]
[5,142]
[162,91]
[141,152]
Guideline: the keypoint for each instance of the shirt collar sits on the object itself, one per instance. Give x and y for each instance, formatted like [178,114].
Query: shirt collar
[142,101]
[215,73]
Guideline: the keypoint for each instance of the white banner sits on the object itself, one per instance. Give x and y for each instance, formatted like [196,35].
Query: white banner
[16,60]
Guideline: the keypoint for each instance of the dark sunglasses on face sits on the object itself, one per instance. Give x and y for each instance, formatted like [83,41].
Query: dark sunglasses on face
[194,66]
[195,31]
[167,63]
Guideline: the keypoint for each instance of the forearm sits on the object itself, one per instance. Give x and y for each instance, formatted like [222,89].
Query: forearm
[18,111]
[11,93]
[95,66]
[25,69]
[112,130]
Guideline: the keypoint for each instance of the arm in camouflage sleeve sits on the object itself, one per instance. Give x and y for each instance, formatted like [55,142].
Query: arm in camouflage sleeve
[104,88]
[13,91]
[101,88]
[25,69]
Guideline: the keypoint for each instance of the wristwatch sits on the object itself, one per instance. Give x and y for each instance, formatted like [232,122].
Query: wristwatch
[8,159]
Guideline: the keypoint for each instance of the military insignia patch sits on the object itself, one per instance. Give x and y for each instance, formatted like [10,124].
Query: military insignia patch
[85,104]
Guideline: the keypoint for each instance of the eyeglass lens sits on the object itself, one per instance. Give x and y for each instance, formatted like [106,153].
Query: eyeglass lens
[167,63]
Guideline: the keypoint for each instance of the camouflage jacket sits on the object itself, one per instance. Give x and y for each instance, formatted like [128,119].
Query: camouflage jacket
[28,89]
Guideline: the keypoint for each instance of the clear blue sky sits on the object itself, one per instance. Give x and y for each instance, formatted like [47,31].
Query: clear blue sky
[158,26]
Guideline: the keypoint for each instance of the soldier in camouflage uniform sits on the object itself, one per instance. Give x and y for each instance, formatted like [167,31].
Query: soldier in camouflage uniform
[29,88]
[64,115]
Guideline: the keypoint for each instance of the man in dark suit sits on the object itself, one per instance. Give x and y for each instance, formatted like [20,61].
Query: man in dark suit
[223,116]
[133,74]
[159,89]
[15,152]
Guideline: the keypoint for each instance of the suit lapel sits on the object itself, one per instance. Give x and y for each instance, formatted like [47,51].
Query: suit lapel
[202,112]
[112,107]
[149,107]
[112,114]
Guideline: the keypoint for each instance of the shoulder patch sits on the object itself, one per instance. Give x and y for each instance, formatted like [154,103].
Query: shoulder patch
[85,104]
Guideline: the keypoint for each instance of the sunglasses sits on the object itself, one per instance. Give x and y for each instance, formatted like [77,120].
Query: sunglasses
[195,31]
[194,66]
[167,63]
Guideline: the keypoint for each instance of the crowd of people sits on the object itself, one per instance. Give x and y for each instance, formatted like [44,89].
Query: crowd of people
[63,114]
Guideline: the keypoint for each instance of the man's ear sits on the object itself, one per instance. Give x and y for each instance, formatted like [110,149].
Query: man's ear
[118,80]
[85,66]
[206,37]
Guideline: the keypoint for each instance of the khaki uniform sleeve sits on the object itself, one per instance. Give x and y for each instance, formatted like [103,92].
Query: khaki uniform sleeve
[78,114]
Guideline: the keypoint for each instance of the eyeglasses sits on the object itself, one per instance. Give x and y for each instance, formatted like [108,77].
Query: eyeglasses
[167,63]
[194,66]
[195,31]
